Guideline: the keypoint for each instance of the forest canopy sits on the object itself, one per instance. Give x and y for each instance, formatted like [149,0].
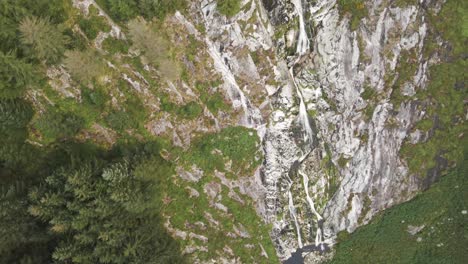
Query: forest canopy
[64,199]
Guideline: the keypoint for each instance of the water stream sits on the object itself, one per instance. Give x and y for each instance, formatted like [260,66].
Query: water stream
[292,212]
[302,48]
[302,40]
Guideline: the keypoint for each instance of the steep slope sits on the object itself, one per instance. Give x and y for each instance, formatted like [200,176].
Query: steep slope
[431,228]
[375,85]
[282,123]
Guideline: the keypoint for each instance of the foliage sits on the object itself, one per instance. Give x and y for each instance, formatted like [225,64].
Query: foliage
[444,95]
[190,110]
[355,8]
[120,120]
[229,7]
[96,98]
[44,39]
[12,12]
[115,45]
[214,101]
[23,239]
[84,66]
[160,8]
[14,118]
[154,46]
[443,237]
[93,25]
[15,76]
[125,10]
[122,10]
[238,144]
[54,124]
[130,117]
[342,161]
[104,213]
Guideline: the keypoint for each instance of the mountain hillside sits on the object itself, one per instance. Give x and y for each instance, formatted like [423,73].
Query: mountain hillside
[233,131]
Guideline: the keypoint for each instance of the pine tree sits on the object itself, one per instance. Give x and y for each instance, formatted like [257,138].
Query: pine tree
[46,40]
[15,76]
[103,214]
[84,65]
[154,46]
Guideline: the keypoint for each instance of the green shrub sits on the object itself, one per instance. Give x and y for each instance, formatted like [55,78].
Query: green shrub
[229,7]
[105,213]
[14,118]
[42,39]
[445,92]
[54,124]
[190,110]
[131,116]
[15,76]
[120,121]
[125,10]
[357,10]
[96,98]
[238,144]
[114,46]
[84,66]
[93,25]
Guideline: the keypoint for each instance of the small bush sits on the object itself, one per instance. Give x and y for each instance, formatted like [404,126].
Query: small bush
[356,8]
[238,144]
[190,110]
[92,26]
[96,98]
[125,10]
[120,121]
[229,7]
[114,46]
[54,124]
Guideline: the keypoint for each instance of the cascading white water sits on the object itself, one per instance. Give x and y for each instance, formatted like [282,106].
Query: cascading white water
[292,212]
[252,115]
[302,40]
[302,48]
[318,236]
[303,117]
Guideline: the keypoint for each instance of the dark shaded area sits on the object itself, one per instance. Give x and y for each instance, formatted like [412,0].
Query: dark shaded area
[44,217]
[297,257]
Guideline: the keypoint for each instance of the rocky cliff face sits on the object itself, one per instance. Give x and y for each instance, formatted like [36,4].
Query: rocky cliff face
[322,91]
[348,80]
[331,91]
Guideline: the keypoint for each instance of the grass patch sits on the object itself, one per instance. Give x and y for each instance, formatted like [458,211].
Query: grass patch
[342,161]
[356,9]
[229,7]
[55,124]
[236,144]
[114,46]
[93,25]
[444,94]
[442,240]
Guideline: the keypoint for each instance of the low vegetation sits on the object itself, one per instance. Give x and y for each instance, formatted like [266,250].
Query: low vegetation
[444,95]
[83,178]
[229,8]
[356,9]
[125,10]
[440,212]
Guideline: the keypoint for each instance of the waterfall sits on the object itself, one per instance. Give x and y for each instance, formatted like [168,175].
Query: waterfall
[252,116]
[292,212]
[302,40]
[302,48]
[318,236]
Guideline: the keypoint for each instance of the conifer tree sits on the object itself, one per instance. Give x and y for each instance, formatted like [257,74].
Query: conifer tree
[44,39]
